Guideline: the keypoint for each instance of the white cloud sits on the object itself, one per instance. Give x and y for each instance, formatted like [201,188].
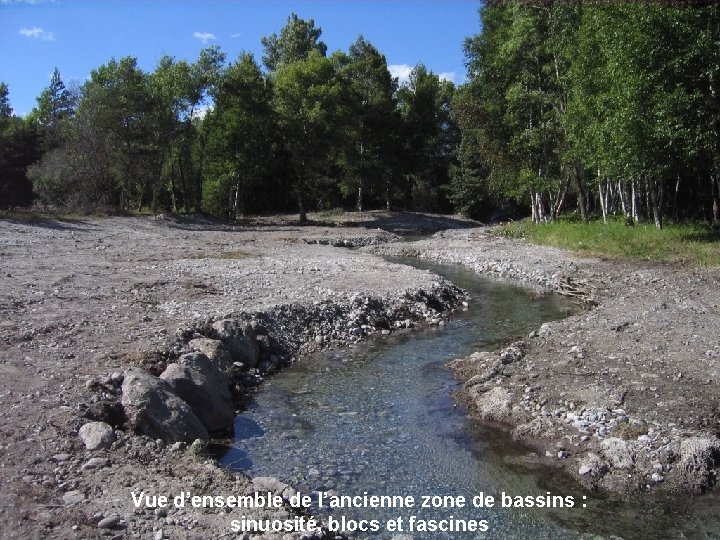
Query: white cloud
[37,33]
[204,36]
[447,76]
[236,35]
[401,71]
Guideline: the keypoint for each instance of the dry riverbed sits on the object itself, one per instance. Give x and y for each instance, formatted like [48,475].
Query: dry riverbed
[623,395]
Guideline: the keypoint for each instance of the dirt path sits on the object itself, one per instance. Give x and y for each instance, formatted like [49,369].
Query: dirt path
[80,301]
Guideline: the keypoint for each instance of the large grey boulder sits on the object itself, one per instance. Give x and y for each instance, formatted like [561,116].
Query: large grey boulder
[96,435]
[201,384]
[153,409]
[214,350]
[240,340]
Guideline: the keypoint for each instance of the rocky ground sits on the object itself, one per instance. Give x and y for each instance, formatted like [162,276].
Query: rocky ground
[85,304]
[623,394]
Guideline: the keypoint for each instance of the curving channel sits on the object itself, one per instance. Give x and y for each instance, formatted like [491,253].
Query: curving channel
[378,418]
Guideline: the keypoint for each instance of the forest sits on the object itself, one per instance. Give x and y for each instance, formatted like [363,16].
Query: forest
[602,109]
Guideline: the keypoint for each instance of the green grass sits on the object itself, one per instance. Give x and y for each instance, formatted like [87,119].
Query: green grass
[691,244]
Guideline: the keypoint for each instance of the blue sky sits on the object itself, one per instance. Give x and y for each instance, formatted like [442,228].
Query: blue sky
[77,36]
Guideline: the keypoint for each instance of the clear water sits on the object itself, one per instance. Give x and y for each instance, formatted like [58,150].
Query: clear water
[378,418]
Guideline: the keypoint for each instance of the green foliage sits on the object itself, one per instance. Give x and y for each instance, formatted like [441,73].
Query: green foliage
[19,147]
[694,244]
[368,105]
[240,138]
[297,39]
[55,107]
[5,108]
[569,99]
[429,137]
[230,140]
[306,101]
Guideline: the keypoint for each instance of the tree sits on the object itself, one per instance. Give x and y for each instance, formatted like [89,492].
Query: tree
[184,92]
[55,106]
[5,108]
[18,149]
[108,154]
[297,39]
[306,100]
[369,105]
[430,136]
[240,143]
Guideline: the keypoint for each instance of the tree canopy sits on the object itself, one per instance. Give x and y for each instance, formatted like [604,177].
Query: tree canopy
[582,108]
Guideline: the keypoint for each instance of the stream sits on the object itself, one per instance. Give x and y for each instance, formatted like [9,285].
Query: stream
[378,418]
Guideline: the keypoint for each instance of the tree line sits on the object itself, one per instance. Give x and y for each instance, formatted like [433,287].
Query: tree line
[593,107]
[602,108]
[310,131]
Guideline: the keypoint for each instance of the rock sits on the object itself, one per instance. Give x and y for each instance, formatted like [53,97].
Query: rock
[481,378]
[512,353]
[73,497]
[96,435]
[177,447]
[618,452]
[592,466]
[240,340]
[153,409]
[537,428]
[198,447]
[699,459]
[202,385]
[494,405]
[109,522]
[268,483]
[215,351]
[96,463]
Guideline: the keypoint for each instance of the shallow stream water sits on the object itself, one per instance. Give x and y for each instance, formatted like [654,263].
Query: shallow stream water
[378,418]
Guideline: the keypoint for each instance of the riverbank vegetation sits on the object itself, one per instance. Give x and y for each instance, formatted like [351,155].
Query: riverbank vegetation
[607,110]
[691,244]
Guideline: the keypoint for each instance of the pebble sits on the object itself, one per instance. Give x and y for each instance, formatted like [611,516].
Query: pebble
[96,463]
[73,497]
[109,522]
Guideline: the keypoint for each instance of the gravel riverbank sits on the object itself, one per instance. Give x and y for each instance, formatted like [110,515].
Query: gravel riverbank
[623,395]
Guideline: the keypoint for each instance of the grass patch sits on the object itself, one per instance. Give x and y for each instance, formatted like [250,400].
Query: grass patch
[693,244]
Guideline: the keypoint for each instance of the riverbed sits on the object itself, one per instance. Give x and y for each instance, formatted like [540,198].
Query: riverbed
[378,418]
